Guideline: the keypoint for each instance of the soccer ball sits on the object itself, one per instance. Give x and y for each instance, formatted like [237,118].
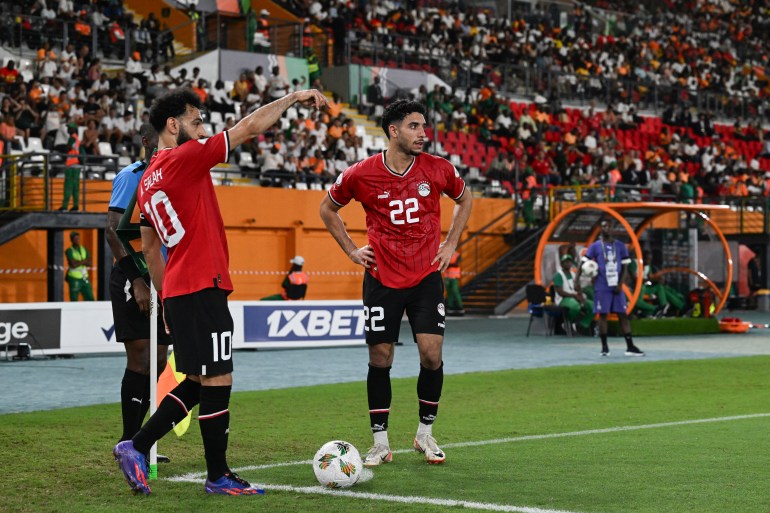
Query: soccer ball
[337,464]
[589,269]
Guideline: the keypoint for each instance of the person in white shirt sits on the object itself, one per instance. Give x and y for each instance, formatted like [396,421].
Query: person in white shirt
[68,53]
[260,81]
[278,85]
[47,68]
[576,308]
[103,84]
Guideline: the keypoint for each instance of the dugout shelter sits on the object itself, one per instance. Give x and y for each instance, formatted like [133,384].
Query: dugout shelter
[698,248]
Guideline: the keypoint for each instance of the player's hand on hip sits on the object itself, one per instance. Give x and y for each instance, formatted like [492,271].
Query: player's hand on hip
[141,295]
[312,98]
[444,256]
[363,256]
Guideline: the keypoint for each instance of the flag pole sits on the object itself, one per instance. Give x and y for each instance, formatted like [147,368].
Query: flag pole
[153,373]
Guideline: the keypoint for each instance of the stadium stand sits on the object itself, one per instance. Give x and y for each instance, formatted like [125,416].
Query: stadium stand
[495,137]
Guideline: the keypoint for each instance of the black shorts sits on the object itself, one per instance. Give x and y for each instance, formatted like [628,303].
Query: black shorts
[202,330]
[384,308]
[130,323]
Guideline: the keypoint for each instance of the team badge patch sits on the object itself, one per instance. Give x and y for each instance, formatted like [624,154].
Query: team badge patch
[423,189]
[441,309]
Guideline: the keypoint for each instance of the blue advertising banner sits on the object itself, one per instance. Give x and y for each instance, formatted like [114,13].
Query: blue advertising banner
[303,323]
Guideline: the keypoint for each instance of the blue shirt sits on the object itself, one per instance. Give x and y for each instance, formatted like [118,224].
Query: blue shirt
[613,253]
[124,186]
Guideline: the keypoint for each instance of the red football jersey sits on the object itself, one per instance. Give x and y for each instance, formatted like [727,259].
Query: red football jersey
[176,195]
[403,213]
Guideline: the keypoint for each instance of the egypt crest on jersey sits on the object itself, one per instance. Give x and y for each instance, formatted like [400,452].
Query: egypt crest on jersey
[403,216]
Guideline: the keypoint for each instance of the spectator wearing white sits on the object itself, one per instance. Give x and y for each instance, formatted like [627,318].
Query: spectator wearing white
[219,100]
[48,13]
[66,9]
[66,71]
[76,114]
[273,160]
[134,65]
[68,53]
[591,142]
[101,85]
[47,68]
[260,81]
[278,85]
[55,90]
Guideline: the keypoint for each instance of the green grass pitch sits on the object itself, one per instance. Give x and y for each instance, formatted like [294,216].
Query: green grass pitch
[664,461]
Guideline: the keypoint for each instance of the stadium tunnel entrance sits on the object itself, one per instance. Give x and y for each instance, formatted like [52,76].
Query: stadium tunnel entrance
[709,262]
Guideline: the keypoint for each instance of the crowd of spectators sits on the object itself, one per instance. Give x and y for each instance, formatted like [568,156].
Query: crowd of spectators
[672,55]
[34,23]
[681,155]
[70,90]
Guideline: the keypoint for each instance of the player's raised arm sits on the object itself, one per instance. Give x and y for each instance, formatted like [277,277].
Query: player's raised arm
[264,117]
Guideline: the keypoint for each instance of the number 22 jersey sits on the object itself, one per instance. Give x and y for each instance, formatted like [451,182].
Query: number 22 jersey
[176,195]
[403,213]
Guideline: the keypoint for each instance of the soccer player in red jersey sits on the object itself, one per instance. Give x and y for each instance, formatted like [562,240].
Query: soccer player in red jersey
[400,190]
[180,211]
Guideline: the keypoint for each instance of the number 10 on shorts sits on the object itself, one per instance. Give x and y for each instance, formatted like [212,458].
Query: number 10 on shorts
[222,344]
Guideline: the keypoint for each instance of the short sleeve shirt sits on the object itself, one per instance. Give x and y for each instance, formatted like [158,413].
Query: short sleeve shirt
[124,186]
[608,255]
[403,213]
[176,196]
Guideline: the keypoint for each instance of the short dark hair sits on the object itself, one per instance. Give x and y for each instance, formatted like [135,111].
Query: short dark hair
[397,111]
[172,105]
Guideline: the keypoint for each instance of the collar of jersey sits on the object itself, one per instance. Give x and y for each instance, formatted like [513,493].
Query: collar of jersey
[384,163]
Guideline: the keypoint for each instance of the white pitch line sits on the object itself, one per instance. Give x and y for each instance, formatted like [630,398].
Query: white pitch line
[198,476]
[404,499]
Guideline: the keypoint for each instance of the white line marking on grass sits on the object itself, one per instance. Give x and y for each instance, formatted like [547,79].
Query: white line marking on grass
[198,476]
[404,499]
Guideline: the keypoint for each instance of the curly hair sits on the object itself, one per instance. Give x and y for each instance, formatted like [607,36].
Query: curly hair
[397,111]
[172,105]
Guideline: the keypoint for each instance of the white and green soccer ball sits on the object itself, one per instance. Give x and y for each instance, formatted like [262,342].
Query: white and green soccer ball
[589,269]
[337,464]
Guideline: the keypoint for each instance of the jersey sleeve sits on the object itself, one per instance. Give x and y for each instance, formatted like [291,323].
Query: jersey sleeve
[455,185]
[558,281]
[591,253]
[123,188]
[203,154]
[342,191]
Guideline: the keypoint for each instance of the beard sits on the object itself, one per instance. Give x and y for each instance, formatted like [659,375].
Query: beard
[409,149]
[183,136]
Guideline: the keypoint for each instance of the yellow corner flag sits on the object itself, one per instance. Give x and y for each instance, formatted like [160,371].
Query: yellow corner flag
[167,382]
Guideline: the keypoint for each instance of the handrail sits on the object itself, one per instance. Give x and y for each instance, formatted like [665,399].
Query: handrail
[480,231]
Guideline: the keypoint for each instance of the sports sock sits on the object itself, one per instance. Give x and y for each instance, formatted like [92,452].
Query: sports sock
[214,420]
[379,394]
[174,407]
[132,402]
[381,438]
[604,341]
[629,340]
[429,385]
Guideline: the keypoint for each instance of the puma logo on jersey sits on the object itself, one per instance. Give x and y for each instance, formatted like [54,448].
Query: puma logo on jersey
[384,195]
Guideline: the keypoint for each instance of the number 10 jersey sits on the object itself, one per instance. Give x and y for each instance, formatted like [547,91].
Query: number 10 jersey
[403,213]
[176,195]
